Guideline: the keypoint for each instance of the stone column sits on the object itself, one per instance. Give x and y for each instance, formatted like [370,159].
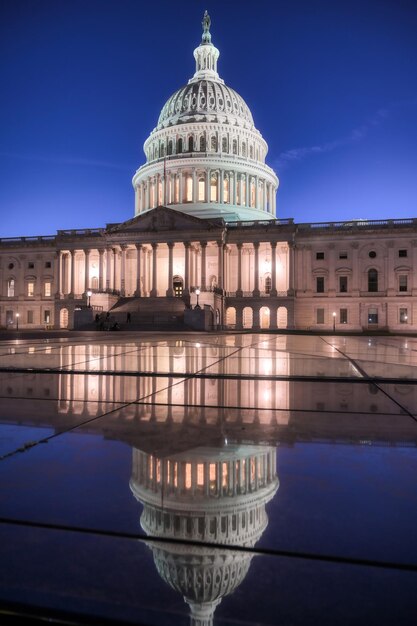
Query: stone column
[264,204]
[203,246]
[181,187]
[195,186]
[59,274]
[291,269]
[123,270]
[331,288]
[389,271]
[72,275]
[148,193]
[233,177]
[247,190]
[108,269]
[239,291]
[257,192]
[256,291]
[240,182]
[86,270]
[170,290]
[100,270]
[187,268]
[355,269]
[138,291]
[221,185]
[154,290]
[274,269]
[220,252]
[115,285]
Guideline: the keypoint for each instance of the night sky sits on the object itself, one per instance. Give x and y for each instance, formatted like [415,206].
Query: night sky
[332,86]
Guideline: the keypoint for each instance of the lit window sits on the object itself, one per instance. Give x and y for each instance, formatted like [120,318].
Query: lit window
[47,289]
[189,188]
[403,316]
[201,189]
[31,289]
[213,189]
[47,317]
[373,316]
[226,189]
[10,288]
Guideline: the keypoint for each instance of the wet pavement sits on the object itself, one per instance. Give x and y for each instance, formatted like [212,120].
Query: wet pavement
[218,478]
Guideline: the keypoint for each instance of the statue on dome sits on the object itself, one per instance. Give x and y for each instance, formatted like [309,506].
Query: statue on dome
[206,22]
[206,28]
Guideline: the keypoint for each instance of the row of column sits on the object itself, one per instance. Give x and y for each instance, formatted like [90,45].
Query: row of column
[220,186]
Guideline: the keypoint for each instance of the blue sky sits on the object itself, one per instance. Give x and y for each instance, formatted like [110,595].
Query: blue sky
[332,87]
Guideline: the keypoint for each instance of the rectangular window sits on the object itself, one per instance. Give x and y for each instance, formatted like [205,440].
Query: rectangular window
[373,316]
[320,284]
[31,265]
[402,253]
[403,316]
[343,254]
[320,316]
[31,289]
[319,256]
[47,289]
[402,282]
[48,264]
[30,317]
[343,316]
[47,317]
[343,284]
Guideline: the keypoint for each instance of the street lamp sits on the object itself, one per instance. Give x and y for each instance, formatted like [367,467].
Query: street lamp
[89,294]
[17,321]
[334,321]
[197,293]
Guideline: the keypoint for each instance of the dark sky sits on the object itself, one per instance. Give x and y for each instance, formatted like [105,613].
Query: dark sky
[332,86]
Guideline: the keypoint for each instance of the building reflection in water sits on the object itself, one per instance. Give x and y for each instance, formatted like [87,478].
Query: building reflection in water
[208,494]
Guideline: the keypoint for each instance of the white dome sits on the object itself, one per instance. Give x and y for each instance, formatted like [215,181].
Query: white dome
[205,101]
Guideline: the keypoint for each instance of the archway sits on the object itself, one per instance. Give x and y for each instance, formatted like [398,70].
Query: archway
[264,315]
[63,318]
[282,317]
[247,317]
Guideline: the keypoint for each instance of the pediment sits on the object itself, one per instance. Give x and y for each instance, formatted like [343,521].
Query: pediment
[164,219]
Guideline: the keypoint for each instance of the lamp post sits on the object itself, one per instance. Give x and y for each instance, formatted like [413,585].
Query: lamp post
[334,321]
[89,294]
[17,321]
[197,293]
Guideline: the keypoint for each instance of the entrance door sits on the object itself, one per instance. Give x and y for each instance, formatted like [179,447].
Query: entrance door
[178,285]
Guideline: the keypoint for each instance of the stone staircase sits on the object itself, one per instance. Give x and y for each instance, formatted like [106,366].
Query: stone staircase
[148,313]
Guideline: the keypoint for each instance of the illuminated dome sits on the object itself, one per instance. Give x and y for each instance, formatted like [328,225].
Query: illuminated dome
[206,101]
[205,157]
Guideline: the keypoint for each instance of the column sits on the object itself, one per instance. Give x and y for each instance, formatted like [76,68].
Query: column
[274,269]
[195,186]
[115,285]
[148,193]
[203,246]
[138,291]
[220,264]
[221,183]
[100,269]
[355,269]
[154,290]
[247,194]
[123,271]
[389,271]
[291,269]
[264,204]
[72,289]
[137,208]
[108,269]
[170,290]
[187,268]
[256,291]
[233,177]
[331,288]
[59,274]
[270,198]
[86,270]
[181,185]
[239,270]
[240,182]
[257,192]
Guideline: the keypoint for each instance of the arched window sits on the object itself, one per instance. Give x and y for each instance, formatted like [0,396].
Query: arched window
[162,151]
[170,147]
[252,193]
[179,145]
[224,144]
[190,144]
[234,146]
[189,188]
[226,189]
[243,149]
[202,143]
[373,280]
[213,144]
[201,189]
[251,152]
[178,285]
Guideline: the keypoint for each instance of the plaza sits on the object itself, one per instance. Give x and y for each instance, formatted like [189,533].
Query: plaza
[153,478]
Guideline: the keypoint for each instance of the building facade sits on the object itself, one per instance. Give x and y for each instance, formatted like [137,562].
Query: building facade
[205,234]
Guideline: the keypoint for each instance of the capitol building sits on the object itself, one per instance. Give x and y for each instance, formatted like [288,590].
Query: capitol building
[205,247]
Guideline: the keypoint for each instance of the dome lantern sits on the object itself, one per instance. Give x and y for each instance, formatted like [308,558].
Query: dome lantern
[206,55]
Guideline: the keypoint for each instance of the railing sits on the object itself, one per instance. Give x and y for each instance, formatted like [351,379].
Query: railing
[80,232]
[287,221]
[40,239]
[357,224]
[249,294]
